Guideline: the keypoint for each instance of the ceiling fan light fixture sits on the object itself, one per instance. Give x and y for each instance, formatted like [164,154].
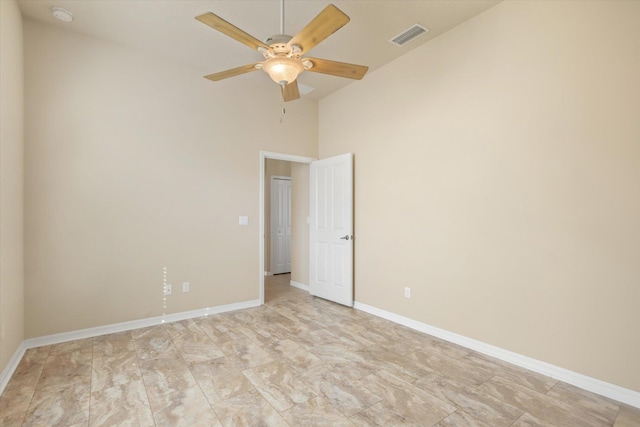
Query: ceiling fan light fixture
[283,70]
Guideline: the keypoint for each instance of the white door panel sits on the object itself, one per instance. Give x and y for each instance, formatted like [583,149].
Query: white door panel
[331,229]
[280,225]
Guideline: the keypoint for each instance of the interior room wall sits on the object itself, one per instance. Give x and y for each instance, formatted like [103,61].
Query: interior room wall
[299,225]
[11,181]
[496,175]
[272,167]
[134,164]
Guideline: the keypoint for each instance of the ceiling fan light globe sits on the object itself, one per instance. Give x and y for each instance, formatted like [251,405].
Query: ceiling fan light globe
[283,70]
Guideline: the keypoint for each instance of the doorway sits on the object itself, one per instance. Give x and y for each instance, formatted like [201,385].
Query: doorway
[299,251]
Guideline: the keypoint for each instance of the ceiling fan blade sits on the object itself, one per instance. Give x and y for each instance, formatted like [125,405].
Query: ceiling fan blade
[290,92]
[335,68]
[330,20]
[232,72]
[217,23]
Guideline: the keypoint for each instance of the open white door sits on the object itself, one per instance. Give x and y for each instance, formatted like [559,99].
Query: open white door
[331,229]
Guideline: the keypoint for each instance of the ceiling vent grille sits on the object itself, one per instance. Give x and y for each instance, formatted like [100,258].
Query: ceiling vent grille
[406,36]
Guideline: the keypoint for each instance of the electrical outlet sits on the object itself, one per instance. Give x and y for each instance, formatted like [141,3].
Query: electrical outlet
[185,286]
[407,292]
[167,289]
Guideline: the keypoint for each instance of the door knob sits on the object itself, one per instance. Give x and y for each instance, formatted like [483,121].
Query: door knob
[347,237]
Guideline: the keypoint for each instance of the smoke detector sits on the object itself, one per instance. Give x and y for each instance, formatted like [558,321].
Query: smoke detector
[62,14]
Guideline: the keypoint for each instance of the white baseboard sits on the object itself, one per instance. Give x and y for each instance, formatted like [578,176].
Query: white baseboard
[8,371]
[299,285]
[612,391]
[135,324]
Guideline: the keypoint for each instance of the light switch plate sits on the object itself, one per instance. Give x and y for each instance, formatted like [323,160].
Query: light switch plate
[243,220]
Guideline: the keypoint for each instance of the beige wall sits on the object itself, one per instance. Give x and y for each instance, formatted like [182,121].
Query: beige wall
[134,164]
[299,225]
[272,168]
[497,175]
[11,181]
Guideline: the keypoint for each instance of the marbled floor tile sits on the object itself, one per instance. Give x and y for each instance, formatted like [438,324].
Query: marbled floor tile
[347,396]
[532,380]
[459,370]
[215,330]
[151,331]
[353,336]
[593,404]
[537,404]
[244,353]
[71,346]
[379,415]
[111,344]
[14,420]
[67,405]
[114,370]
[66,367]
[321,312]
[181,327]
[220,379]
[308,314]
[429,343]
[347,365]
[223,325]
[485,408]
[279,385]
[406,367]
[16,398]
[156,345]
[165,376]
[315,412]
[197,347]
[286,308]
[283,324]
[318,338]
[386,336]
[528,420]
[188,408]
[18,392]
[461,419]
[297,356]
[338,354]
[245,317]
[261,334]
[123,405]
[248,409]
[406,399]
[30,367]
[627,417]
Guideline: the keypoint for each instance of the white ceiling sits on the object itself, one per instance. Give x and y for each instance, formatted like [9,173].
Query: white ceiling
[167,28]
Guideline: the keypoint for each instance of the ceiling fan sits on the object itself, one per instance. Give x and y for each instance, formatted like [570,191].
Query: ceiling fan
[283,54]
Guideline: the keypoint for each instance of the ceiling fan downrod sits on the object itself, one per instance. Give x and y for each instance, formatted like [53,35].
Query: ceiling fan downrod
[281,16]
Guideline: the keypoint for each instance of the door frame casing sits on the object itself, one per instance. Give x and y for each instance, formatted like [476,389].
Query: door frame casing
[264,155]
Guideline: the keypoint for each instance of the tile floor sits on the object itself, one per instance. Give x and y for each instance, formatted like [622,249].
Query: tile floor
[296,361]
